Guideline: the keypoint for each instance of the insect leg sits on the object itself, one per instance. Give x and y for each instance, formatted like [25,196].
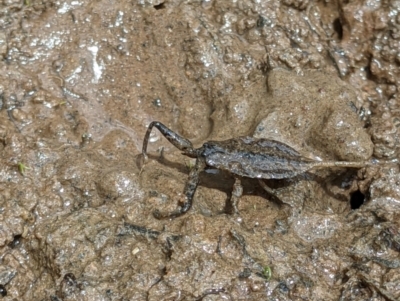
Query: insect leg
[178,141]
[237,192]
[190,189]
[266,188]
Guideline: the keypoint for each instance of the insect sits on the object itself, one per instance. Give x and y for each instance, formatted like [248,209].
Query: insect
[242,157]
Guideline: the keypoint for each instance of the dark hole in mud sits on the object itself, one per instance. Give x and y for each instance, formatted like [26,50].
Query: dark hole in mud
[357,199]
[16,241]
[337,26]
[159,6]
[3,291]
[70,279]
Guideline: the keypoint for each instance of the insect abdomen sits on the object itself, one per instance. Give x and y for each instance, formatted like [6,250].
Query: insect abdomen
[240,158]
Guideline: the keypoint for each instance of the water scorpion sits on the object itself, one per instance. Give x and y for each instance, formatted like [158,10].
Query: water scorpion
[242,157]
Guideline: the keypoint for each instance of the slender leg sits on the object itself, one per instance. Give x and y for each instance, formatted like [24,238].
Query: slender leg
[190,189]
[237,192]
[266,188]
[178,141]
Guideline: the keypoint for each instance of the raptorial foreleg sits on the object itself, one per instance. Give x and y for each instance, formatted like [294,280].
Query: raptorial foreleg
[178,141]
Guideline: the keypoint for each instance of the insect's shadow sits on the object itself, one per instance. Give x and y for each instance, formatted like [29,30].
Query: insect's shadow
[223,181]
[212,178]
[209,178]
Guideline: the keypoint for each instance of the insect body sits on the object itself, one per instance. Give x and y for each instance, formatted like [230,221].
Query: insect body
[242,157]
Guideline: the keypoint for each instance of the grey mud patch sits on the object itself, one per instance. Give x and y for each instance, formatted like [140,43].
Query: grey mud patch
[81,80]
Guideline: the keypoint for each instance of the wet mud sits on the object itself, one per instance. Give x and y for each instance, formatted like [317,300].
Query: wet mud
[80,81]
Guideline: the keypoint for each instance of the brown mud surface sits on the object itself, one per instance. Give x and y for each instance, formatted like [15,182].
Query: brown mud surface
[80,81]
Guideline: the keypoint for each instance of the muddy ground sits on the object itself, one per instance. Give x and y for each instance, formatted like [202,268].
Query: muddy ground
[80,81]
